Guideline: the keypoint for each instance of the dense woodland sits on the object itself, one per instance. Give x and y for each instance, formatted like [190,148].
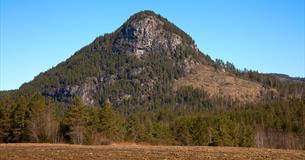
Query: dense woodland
[36,118]
[42,111]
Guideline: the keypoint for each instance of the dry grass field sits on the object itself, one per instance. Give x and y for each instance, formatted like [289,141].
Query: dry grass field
[137,152]
[220,83]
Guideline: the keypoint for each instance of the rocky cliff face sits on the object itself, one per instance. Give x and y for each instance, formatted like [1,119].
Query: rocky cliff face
[146,33]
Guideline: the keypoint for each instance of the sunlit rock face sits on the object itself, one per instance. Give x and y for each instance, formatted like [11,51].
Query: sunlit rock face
[144,35]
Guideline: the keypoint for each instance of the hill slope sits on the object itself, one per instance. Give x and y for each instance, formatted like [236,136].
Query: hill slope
[145,52]
[138,64]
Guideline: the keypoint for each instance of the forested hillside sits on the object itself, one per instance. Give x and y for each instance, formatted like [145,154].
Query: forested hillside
[36,118]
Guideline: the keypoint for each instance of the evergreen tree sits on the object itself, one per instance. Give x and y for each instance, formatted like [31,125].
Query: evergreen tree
[37,124]
[134,130]
[75,123]
[200,131]
[20,116]
[182,131]
[111,123]
[161,134]
[246,139]
[4,122]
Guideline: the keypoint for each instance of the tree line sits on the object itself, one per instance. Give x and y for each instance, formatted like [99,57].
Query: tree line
[36,118]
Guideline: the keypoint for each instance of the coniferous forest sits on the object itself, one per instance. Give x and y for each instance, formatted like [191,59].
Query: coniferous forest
[36,118]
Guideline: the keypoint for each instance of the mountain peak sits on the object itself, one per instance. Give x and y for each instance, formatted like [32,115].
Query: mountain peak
[146,31]
[143,14]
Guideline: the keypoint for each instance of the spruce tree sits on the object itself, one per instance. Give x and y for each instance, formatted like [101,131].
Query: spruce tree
[111,123]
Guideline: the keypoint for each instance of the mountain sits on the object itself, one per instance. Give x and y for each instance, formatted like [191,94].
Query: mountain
[146,60]
[145,52]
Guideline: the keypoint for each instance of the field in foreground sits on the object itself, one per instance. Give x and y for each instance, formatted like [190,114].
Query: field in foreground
[131,151]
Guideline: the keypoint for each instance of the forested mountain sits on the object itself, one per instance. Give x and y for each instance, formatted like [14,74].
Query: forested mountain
[133,64]
[148,82]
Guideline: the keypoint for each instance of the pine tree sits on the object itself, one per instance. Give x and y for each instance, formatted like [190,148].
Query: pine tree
[111,123]
[75,123]
[20,116]
[37,124]
[134,130]
[246,138]
[4,122]
[182,131]
[200,131]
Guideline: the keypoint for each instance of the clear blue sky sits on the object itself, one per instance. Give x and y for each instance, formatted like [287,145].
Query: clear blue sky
[263,35]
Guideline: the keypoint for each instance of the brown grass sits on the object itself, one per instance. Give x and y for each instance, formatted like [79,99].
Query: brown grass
[221,83]
[128,151]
